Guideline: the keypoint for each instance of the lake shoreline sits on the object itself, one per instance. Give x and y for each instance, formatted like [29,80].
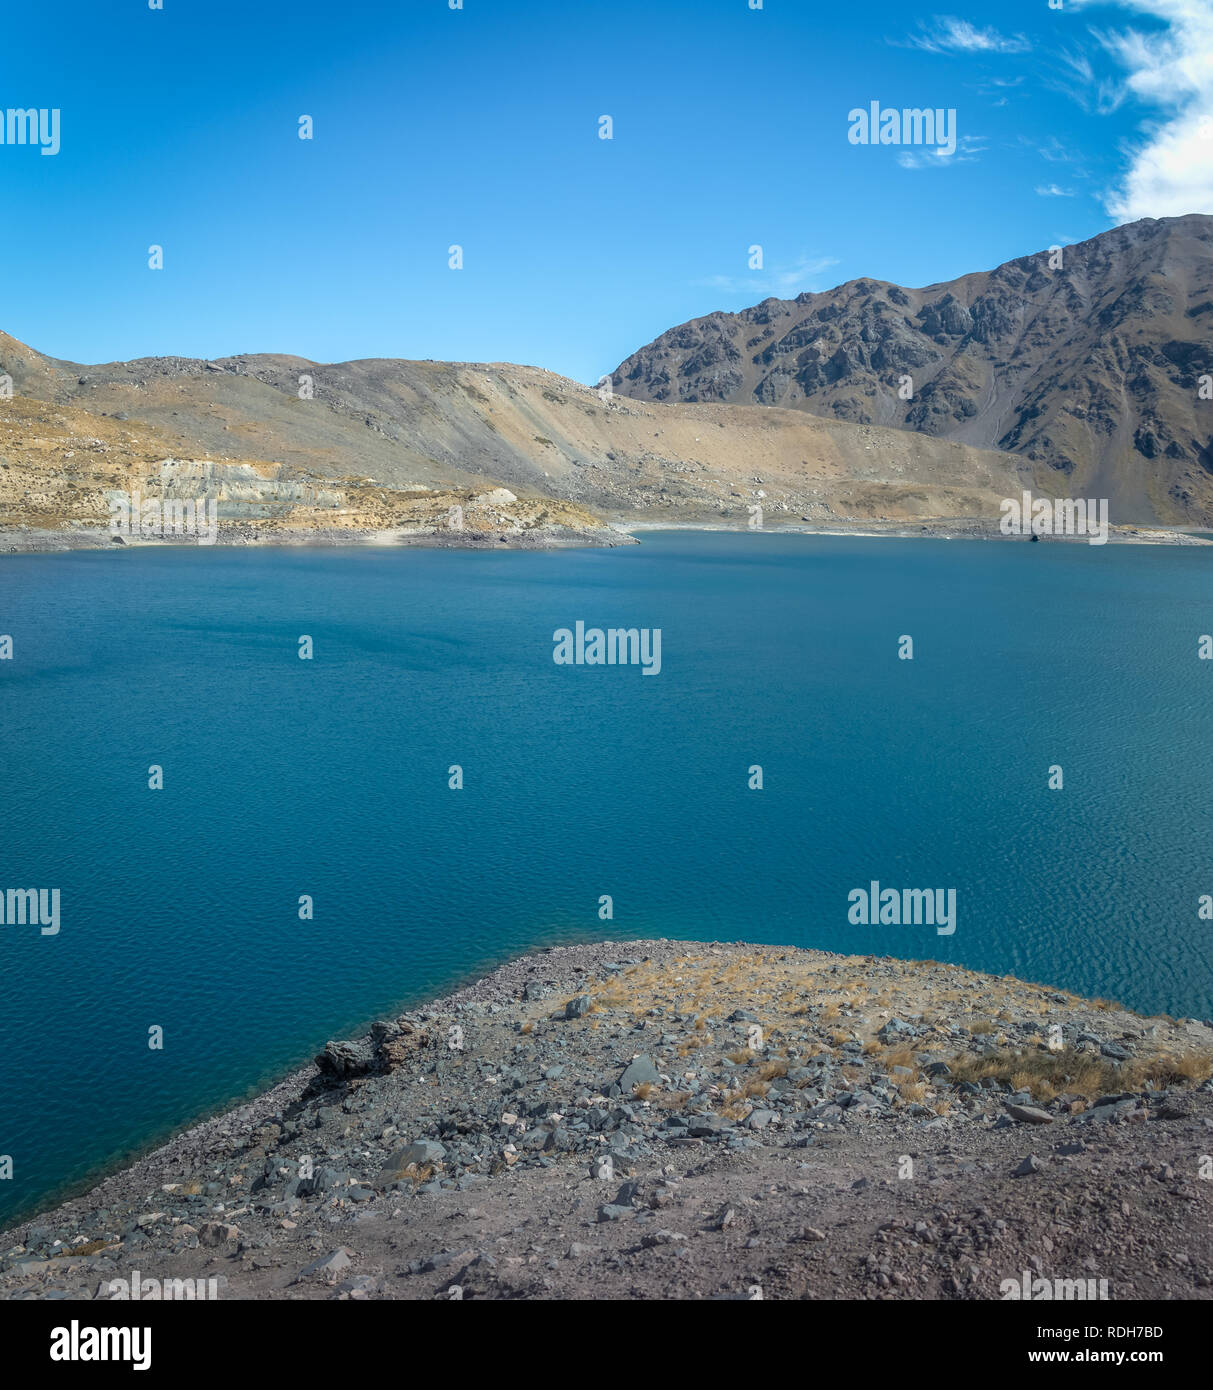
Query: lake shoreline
[618,531]
[974,528]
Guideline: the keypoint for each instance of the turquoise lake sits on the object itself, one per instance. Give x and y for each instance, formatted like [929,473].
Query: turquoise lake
[329,777]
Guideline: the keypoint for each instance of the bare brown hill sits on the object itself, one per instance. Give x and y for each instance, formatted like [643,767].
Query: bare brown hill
[412,426]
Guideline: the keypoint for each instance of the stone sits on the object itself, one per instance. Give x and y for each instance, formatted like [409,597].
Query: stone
[610,1212]
[1029,1115]
[346,1059]
[416,1155]
[639,1072]
[328,1266]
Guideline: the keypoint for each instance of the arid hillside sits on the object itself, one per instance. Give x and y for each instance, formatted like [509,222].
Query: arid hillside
[401,427]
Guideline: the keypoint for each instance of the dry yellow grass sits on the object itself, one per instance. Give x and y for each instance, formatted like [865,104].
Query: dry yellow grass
[611,999]
[674,1100]
[1047,1074]
[754,1087]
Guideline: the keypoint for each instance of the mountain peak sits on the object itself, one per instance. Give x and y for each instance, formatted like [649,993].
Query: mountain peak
[1084,359]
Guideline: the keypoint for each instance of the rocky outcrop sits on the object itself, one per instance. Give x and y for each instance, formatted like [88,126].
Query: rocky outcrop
[1088,366]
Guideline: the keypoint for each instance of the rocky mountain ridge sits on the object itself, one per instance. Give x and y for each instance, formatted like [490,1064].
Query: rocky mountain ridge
[1085,361]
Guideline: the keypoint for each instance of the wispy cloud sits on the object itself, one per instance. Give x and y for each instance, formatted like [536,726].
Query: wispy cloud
[1051,190]
[968,149]
[950,35]
[1171,168]
[1051,149]
[1097,95]
[779,280]
[998,91]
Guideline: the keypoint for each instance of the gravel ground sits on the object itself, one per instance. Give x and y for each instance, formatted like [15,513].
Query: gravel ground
[658,1119]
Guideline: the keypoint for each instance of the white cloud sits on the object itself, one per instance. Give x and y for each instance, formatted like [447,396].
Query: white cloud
[1051,190]
[1171,170]
[949,35]
[779,280]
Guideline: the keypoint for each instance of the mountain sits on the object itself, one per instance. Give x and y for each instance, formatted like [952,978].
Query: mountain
[384,442]
[1089,371]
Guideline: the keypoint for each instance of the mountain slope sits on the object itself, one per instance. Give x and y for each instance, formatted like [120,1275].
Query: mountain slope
[1089,371]
[455,426]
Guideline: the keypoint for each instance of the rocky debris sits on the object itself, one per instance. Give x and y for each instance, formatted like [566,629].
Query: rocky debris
[212,1233]
[880,1118]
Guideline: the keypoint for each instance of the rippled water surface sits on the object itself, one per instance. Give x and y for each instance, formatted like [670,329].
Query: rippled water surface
[329,777]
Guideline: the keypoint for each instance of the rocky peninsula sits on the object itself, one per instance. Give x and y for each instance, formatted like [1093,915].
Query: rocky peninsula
[682,1120]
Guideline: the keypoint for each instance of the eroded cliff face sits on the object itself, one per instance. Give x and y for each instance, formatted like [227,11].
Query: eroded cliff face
[1086,365]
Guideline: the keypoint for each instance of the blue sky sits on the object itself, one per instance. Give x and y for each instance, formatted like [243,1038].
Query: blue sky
[480,127]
